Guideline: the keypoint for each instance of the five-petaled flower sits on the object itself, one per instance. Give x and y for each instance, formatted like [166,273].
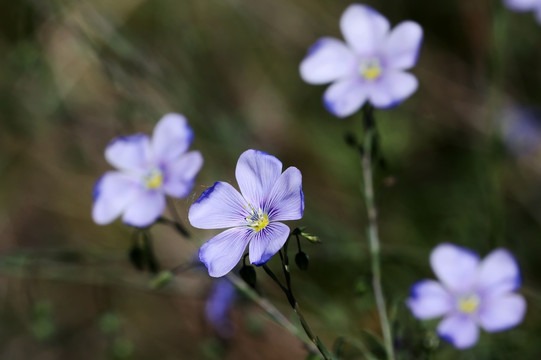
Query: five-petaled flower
[470,293]
[148,170]
[267,196]
[525,5]
[369,66]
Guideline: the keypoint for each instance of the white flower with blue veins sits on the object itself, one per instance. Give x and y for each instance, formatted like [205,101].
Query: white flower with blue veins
[369,66]
[525,5]
[471,293]
[148,170]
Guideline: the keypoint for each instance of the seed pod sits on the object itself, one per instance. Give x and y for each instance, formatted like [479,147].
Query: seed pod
[302,260]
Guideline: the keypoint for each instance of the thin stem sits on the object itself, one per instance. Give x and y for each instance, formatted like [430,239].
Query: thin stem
[294,304]
[373,236]
[243,287]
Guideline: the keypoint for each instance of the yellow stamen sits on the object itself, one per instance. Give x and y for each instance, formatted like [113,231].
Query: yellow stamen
[154,180]
[469,304]
[257,220]
[370,69]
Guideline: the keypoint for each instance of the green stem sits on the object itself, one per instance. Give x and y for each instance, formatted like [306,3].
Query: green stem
[373,235]
[294,304]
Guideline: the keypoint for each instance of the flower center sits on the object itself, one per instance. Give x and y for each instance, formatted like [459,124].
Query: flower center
[469,304]
[257,220]
[154,179]
[370,68]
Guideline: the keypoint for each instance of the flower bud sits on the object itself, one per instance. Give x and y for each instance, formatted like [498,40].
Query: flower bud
[302,260]
[247,273]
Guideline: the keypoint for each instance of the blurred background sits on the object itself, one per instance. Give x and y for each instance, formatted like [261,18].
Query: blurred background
[461,164]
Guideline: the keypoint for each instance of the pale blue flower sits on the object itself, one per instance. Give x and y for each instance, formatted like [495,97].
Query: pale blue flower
[148,170]
[525,5]
[471,293]
[266,197]
[369,66]
[218,306]
[521,130]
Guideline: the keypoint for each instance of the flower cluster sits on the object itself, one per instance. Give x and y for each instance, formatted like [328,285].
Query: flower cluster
[148,170]
[267,196]
[471,293]
[369,66]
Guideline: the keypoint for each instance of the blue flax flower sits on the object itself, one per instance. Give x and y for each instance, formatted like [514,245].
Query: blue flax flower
[471,293]
[218,307]
[368,66]
[148,170]
[525,5]
[266,197]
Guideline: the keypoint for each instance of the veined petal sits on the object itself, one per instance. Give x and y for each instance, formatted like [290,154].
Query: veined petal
[145,209]
[498,273]
[455,266]
[363,28]
[401,48]
[112,194]
[502,313]
[327,60]
[392,89]
[428,300]
[522,5]
[256,174]
[131,153]
[345,97]
[180,174]
[459,330]
[286,200]
[267,242]
[221,253]
[218,207]
[172,137]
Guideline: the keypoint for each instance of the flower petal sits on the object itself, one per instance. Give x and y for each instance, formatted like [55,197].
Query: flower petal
[172,137]
[363,28]
[112,194]
[130,153]
[459,330]
[256,174]
[522,5]
[286,200]
[345,97]
[145,209]
[327,60]
[428,300]
[455,266]
[218,207]
[221,253]
[392,89]
[180,174]
[267,242]
[498,273]
[502,313]
[401,48]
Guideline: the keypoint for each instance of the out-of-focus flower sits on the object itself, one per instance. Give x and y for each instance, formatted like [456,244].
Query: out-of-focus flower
[525,5]
[267,197]
[218,306]
[369,66]
[471,293]
[148,170]
[521,130]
